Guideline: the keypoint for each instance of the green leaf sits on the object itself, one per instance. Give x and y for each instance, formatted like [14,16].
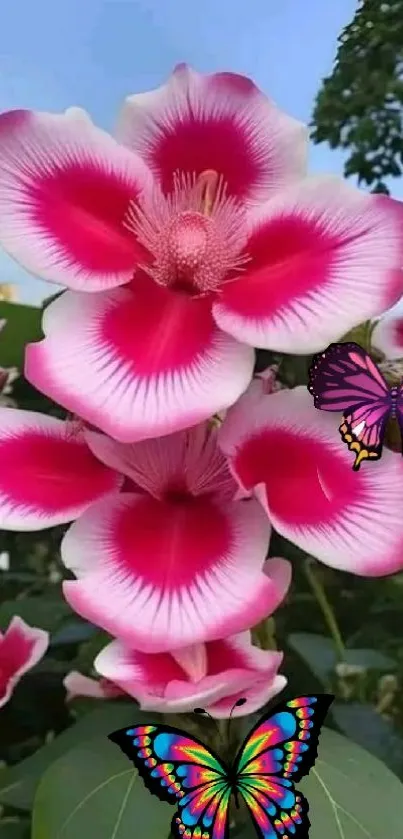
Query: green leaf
[14,829]
[73,632]
[94,791]
[351,794]
[370,660]
[23,326]
[46,612]
[18,783]
[320,655]
[317,651]
[368,729]
[89,650]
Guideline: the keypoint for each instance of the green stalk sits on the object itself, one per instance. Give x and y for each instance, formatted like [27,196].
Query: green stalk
[325,607]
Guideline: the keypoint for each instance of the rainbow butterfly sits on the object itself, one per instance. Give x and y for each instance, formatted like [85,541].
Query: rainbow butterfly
[277,753]
[344,378]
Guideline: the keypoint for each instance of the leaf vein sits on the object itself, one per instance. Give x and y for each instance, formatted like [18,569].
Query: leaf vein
[123,805]
[89,796]
[332,803]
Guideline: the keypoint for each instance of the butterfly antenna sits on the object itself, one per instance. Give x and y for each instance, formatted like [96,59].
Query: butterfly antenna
[202,712]
[218,729]
[237,704]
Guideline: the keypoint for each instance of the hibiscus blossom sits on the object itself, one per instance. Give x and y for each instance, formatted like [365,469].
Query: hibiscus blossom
[21,647]
[291,456]
[199,237]
[212,675]
[176,559]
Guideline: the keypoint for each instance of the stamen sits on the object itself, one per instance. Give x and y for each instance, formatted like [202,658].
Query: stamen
[210,181]
[196,235]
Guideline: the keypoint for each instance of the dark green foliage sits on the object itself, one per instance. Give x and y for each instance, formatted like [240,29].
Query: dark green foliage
[360,105]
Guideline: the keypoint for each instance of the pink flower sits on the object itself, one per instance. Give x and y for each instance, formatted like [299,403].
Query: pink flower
[388,334]
[201,239]
[292,457]
[176,560]
[78,685]
[48,474]
[21,647]
[212,675]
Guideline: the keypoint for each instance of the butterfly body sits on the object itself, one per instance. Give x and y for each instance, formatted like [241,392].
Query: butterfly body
[344,378]
[279,750]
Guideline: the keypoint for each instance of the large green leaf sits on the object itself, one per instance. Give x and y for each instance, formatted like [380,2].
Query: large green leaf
[18,784]
[351,794]
[23,326]
[366,727]
[94,792]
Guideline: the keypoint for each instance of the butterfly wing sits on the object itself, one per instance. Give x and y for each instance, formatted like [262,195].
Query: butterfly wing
[344,378]
[181,770]
[278,752]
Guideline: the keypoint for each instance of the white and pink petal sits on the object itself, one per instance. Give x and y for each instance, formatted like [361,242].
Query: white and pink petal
[170,683]
[323,256]
[161,575]
[65,191]
[188,461]
[140,362]
[21,647]
[292,456]
[238,653]
[220,122]
[158,681]
[279,572]
[48,474]
[77,686]
[258,694]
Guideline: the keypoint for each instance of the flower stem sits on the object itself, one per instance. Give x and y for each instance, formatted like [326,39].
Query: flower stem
[264,634]
[325,607]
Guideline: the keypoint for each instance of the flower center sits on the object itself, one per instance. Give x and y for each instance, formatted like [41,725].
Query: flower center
[178,495]
[195,237]
[190,243]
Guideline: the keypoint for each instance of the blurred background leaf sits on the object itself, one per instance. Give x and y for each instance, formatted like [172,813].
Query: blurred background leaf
[23,325]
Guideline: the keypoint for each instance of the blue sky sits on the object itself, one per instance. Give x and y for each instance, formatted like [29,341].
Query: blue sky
[93,53]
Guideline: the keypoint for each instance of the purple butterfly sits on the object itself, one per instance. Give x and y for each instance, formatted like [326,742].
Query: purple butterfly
[344,378]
